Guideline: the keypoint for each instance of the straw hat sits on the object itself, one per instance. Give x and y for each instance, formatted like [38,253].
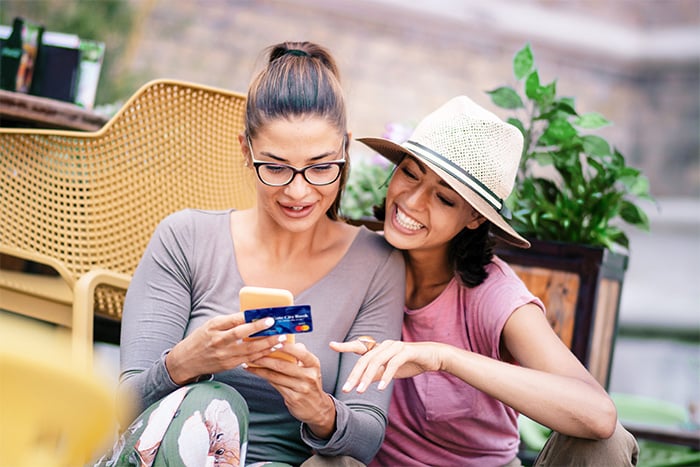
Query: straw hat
[473,151]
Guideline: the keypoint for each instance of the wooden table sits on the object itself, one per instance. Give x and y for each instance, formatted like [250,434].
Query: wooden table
[25,110]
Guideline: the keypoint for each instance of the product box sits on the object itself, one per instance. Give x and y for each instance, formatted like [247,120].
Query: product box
[65,67]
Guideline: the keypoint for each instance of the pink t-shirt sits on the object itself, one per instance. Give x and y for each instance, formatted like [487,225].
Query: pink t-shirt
[436,418]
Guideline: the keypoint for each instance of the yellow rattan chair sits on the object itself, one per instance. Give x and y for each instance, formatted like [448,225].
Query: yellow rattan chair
[86,204]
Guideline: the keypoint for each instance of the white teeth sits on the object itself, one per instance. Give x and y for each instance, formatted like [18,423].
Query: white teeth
[297,208]
[407,222]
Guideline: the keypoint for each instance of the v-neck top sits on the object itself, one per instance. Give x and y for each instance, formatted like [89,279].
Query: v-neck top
[188,275]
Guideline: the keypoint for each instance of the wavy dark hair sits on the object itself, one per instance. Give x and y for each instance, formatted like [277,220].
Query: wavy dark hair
[469,252]
[300,78]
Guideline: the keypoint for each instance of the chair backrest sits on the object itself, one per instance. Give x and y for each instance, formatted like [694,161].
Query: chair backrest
[84,200]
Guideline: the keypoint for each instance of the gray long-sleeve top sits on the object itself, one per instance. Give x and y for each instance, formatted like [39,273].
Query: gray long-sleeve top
[188,274]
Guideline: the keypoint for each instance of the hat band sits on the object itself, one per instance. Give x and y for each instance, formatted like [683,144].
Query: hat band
[457,172]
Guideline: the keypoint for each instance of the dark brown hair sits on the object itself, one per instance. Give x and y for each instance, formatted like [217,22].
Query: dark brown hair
[301,78]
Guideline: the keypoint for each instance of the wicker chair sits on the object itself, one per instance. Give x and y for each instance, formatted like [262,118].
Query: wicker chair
[86,204]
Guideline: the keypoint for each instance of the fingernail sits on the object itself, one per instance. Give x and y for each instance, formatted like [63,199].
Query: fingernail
[382,385]
[360,387]
[239,341]
[269,321]
[282,338]
[244,365]
[347,387]
[276,347]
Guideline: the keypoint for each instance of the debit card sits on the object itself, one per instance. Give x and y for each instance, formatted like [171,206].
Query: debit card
[291,319]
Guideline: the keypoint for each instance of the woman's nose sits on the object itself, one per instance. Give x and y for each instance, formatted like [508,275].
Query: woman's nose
[416,197]
[298,187]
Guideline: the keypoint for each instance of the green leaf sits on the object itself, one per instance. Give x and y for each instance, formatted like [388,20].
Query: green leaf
[591,121]
[565,105]
[543,158]
[558,131]
[506,98]
[532,85]
[634,215]
[517,124]
[523,62]
[595,146]
[639,187]
[547,94]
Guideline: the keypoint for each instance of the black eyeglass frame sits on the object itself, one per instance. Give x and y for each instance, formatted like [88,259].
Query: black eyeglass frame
[257,164]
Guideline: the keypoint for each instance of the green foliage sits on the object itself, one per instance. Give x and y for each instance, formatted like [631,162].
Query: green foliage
[365,189]
[572,185]
[108,21]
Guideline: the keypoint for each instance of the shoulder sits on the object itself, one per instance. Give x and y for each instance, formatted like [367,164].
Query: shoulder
[187,223]
[371,256]
[372,244]
[194,216]
[503,286]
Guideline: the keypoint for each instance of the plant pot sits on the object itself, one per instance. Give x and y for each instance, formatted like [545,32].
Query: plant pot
[581,287]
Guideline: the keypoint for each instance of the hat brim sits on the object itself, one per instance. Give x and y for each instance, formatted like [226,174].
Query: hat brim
[395,152]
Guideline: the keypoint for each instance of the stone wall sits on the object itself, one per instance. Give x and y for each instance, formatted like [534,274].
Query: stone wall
[631,61]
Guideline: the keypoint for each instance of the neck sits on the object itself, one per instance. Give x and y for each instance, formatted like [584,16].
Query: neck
[284,245]
[427,274]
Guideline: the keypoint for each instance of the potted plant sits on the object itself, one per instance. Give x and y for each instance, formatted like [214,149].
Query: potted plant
[572,195]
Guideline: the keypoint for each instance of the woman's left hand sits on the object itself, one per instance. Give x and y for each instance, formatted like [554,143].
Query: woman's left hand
[301,386]
[389,360]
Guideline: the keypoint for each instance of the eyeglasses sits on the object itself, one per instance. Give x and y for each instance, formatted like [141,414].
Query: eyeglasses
[276,174]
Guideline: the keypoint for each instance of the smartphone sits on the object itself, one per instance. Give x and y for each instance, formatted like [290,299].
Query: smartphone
[252,298]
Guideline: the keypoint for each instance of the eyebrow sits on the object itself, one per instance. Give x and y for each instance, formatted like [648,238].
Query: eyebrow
[424,169]
[310,159]
[286,161]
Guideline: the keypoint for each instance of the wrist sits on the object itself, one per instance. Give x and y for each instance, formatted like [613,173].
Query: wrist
[323,425]
[178,373]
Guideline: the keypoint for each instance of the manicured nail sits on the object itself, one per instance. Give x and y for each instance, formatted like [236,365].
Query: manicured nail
[244,365]
[360,387]
[269,321]
[382,385]
[276,347]
[347,387]
[282,338]
[239,341]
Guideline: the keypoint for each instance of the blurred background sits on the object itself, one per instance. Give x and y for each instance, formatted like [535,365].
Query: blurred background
[637,62]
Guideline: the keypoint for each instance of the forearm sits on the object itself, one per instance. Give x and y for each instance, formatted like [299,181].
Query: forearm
[569,405]
[139,389]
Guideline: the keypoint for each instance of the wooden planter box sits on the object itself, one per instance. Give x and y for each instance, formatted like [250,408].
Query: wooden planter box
[580,287]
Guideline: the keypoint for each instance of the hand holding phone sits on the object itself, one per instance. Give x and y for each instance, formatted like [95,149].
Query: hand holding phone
[255,298]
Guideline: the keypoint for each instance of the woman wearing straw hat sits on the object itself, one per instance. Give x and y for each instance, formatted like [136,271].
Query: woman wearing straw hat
[477,348]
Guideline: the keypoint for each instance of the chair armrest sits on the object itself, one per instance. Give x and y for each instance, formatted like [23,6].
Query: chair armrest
[83,308]
[41,259]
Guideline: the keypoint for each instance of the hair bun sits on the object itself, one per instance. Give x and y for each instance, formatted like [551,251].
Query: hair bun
[296,52]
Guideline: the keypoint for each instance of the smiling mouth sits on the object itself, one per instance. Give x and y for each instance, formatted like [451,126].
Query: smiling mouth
[297,210]
[407,222]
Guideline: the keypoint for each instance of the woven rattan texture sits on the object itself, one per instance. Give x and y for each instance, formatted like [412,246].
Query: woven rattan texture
[92,200]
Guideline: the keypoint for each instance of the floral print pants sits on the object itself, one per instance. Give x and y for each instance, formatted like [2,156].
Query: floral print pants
[202,425]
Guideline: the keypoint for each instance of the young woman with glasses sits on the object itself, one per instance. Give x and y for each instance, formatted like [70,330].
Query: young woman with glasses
[206,394]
